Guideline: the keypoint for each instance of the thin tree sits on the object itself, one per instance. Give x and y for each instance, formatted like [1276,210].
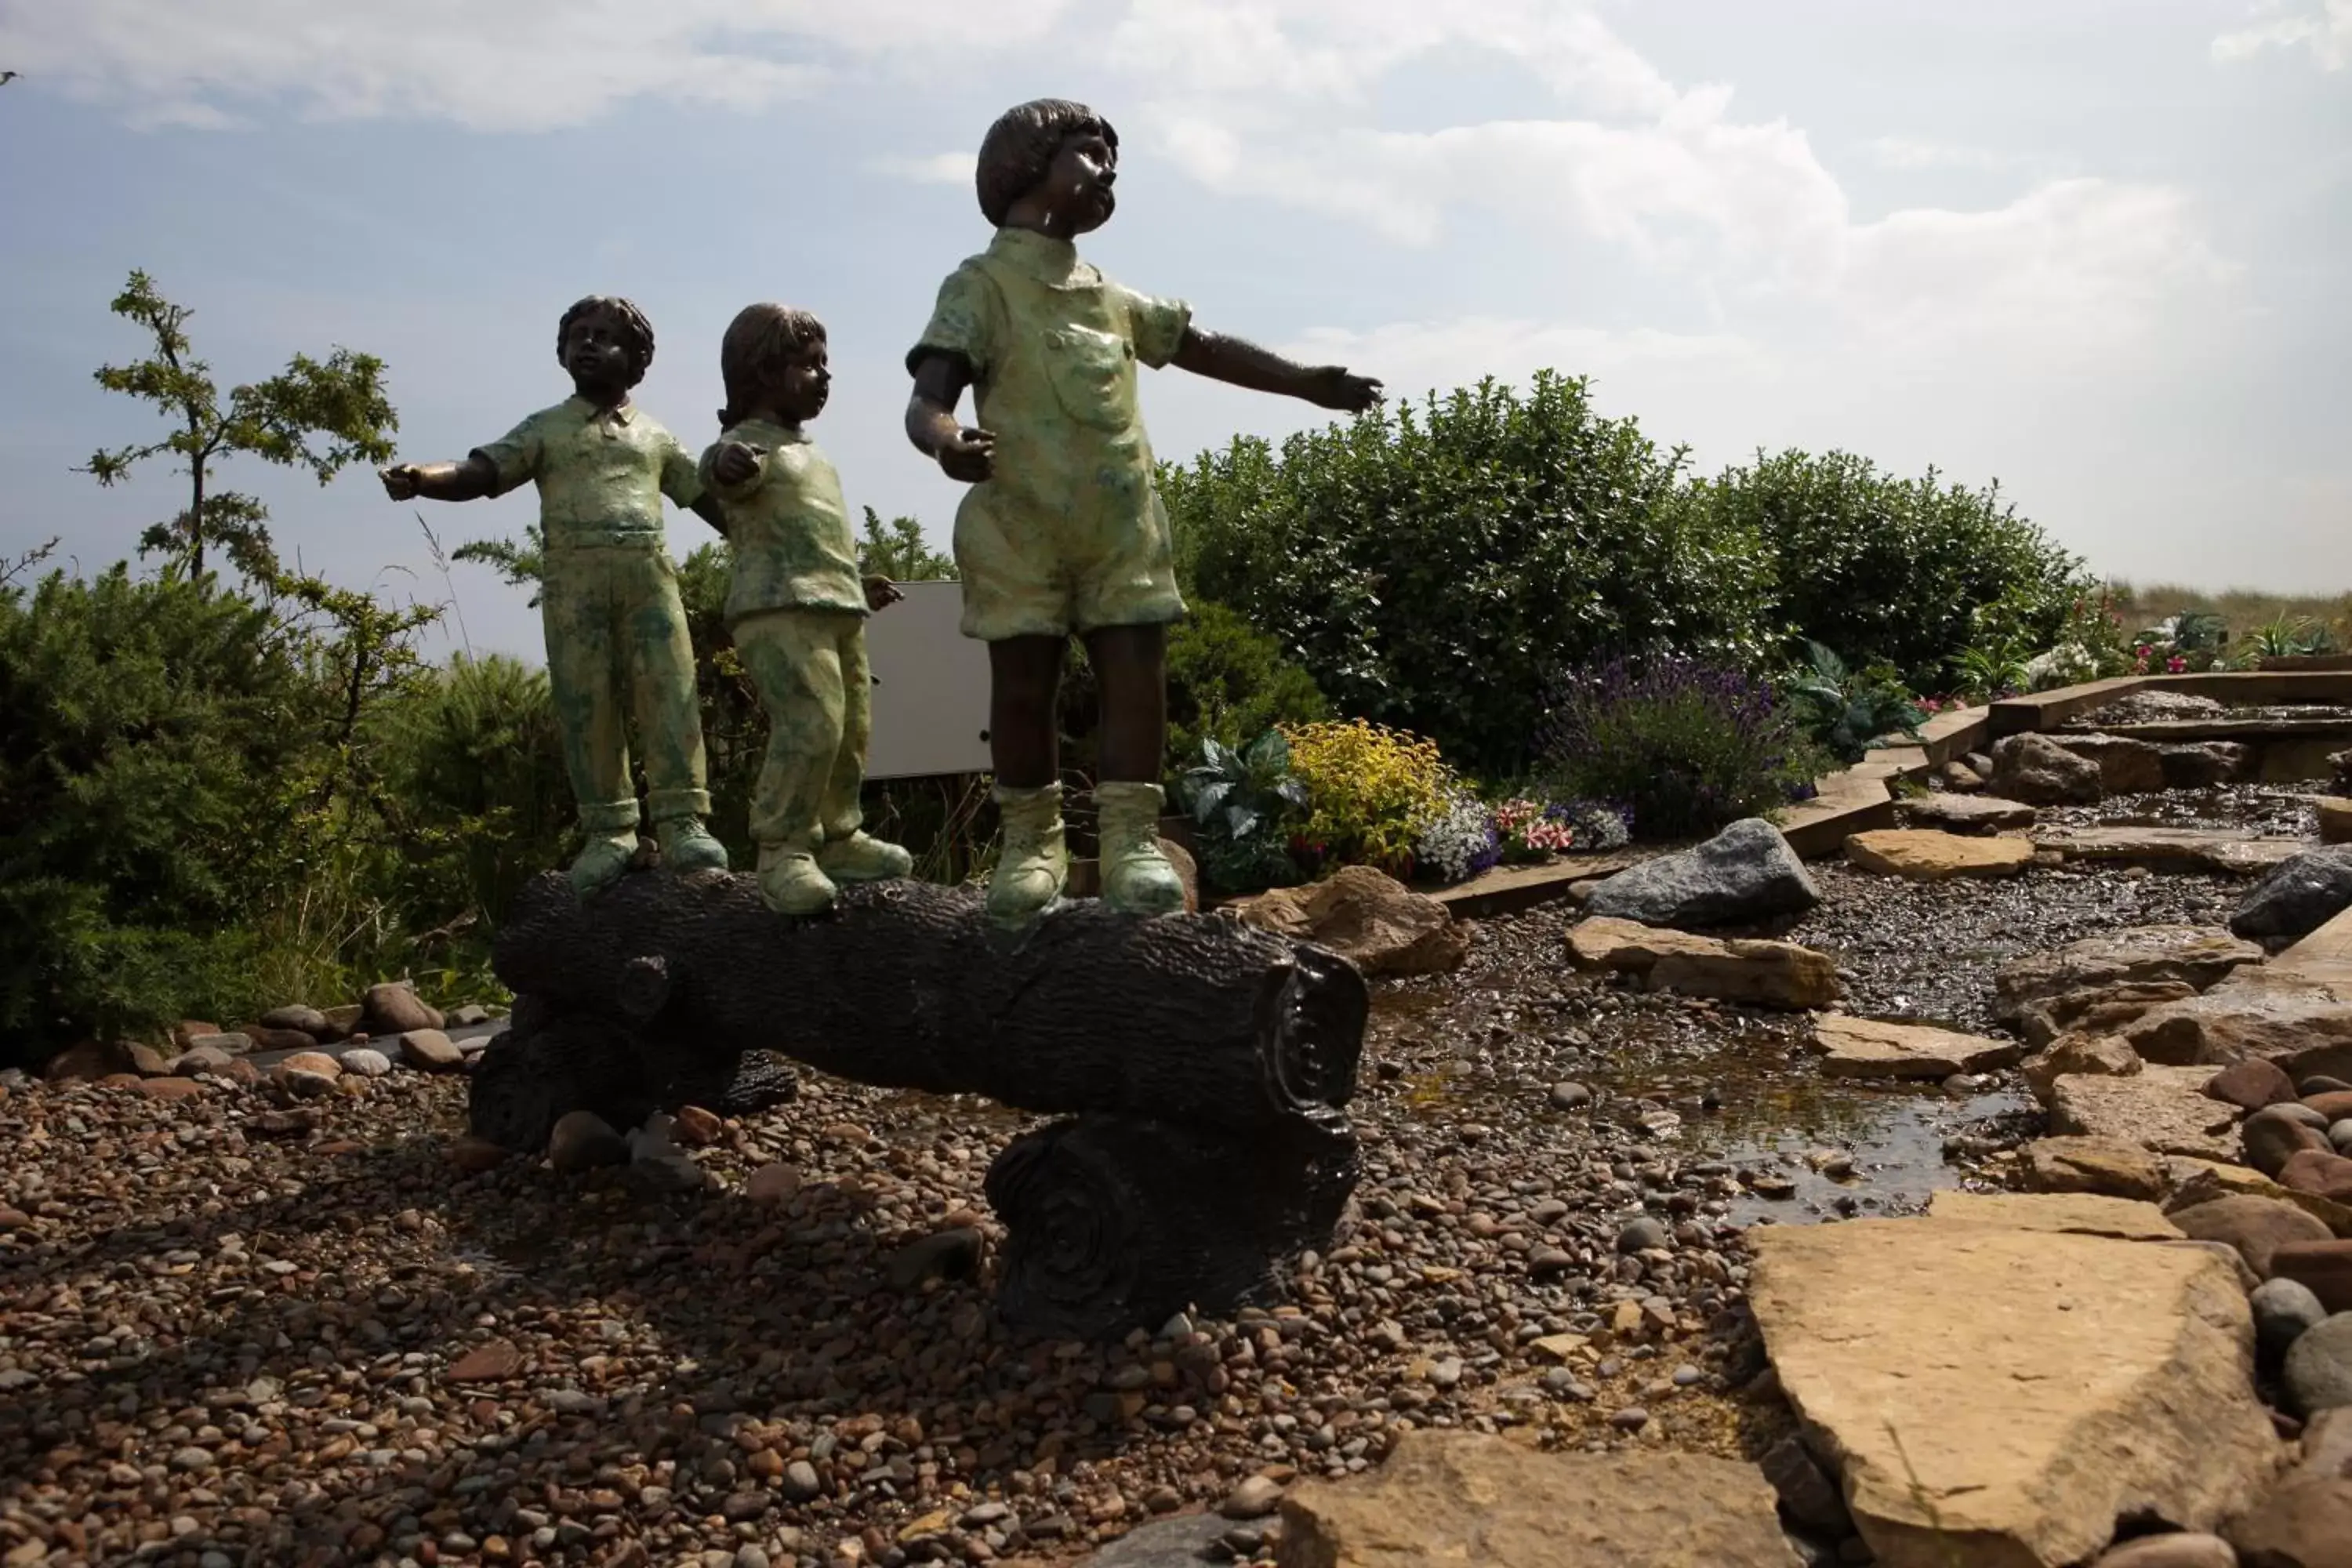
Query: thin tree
[317,415]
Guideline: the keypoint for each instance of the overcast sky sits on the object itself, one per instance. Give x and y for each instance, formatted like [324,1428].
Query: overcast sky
[2098,249]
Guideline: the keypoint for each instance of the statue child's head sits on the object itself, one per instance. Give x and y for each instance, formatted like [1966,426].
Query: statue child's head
[1049,164]
[773,361]
[606,344]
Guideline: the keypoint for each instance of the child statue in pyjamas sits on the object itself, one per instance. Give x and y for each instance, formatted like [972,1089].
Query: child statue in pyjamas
[1062,531]
[796,609]
[616,634]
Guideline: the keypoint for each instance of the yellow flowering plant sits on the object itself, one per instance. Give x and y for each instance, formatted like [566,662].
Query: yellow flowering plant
[1373,790]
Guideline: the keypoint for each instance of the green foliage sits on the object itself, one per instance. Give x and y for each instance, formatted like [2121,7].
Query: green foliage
[316,415]
[1895,571]
[1243,801]
[1434,571]
[2285,638]
[1846,712]
[1682,747]
[520,563]
[1373,791]
[896,549]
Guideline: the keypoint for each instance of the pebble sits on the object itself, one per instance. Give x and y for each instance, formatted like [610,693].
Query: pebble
[366,1061]
[1570,1097]
[1643,1235]
[2284,1309]
[584,1141]
[1254,1498]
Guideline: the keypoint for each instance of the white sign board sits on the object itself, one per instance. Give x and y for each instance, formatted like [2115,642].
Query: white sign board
[931,690]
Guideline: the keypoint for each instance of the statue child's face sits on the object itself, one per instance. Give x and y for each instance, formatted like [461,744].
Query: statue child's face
[598,353]
[1077,186]
[803,383]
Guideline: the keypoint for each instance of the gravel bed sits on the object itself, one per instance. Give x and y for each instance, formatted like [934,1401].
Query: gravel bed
[228,1339]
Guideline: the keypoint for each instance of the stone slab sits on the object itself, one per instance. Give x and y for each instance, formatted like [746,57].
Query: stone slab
[1923,854]
[1885,1048]
[2069,1213]
[2163,1110]
[2194,849]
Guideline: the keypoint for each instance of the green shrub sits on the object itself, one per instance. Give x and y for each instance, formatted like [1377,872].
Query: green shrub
[1894,571]
[1435,571]
[1845,712]
[1243,801]
[1681,747]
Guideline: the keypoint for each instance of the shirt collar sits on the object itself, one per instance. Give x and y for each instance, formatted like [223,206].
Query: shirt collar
[626,414]
[1042,257]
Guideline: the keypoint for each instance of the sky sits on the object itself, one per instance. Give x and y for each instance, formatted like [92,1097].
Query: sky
[2099,250]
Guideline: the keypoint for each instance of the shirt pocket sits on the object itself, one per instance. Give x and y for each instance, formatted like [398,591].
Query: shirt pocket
[1093,376]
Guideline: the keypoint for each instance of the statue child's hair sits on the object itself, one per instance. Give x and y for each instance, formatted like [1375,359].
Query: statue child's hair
[750,356]
[1019,149]
[636,329]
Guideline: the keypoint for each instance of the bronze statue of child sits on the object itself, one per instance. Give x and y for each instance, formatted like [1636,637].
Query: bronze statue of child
[1062,531]
[796,608]
[616,633]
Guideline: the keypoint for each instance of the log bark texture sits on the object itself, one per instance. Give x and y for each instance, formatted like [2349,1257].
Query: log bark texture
[1207,1063]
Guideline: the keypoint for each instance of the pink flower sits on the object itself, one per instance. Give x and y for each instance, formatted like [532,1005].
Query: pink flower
[2176,663]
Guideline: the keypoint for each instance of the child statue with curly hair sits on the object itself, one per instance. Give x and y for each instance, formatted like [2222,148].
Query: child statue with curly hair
[616,629]
[1062,531]
[796,608]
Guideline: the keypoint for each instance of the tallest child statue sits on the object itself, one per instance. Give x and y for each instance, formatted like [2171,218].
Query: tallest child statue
[1062,531]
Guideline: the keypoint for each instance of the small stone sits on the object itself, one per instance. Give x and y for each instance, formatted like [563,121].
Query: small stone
[1544,1262]
[430,1050]
[1446,1374]
[698,1128]
[476,1155]
[2340,1135]
[2106,1167]
[1642,1236]
[849,1134]
[394,1008]
[1807,1493]
[171,1089]
[486,1363]
[800,1482]
[949,1255]
[775,1183]
[364,1062]
[308,1020]
[2176,1550]
[584,1141]
[2283,1310]
[2106,1055]
[2252,1085]
[1570,1097]
[2318,1374]
[303,1083]
[1632,1418]
[2275,1135]
[202,1059]
[1254,1498]
[192,1458]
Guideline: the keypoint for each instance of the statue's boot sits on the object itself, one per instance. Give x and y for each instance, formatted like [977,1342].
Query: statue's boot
[601,863]
[687,845]
[1137,879]
[862,857]
[790,882]
[1034,864]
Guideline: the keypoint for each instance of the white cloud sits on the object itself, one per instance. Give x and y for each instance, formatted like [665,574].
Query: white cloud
[1907,152]
[516,65]
[2325,31]
[937,169]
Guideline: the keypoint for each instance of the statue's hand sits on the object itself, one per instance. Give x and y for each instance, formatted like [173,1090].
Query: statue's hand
[1332,386]
[881,592]
[735,463]
[969,457]
[400,482]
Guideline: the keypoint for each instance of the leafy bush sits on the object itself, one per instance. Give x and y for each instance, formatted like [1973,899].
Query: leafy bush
[1373,791]
[1435,571]
[1243,803]
[1890,570]
[1846,712]
[1461,842]
[1684,747]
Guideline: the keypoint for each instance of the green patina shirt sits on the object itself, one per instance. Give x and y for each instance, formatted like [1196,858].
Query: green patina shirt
[787,526]
[1053,345]
[602,473]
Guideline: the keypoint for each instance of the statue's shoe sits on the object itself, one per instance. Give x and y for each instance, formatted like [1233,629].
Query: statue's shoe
[791,883]
[861,858]
[600,865]
[688,845]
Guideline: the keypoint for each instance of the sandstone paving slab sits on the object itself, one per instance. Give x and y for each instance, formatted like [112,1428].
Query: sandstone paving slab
[1885,1048]
[2163,1110]
[1776,973]
[2073,1214]
[1969,814]
[2198,957]
[2303,1026]
[1466,1497]
[2007,1393]
[2214,851]
[1924,854]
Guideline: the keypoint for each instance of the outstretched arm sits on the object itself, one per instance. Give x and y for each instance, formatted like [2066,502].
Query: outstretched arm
[471,479]
[1244,364]
[963,452]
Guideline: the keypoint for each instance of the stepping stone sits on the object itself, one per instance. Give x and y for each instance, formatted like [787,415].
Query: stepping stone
[2163,1110]
[2018,1391]
[1874,1047]
[2303,1027]
[2198,957]
[1466,1497]
[1966,814]
[2106,1167]
[1776,973]
[2069,1213]
[2212,851]
[1923,855]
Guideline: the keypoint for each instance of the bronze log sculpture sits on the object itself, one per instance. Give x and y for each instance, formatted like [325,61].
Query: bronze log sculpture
[1206,1064]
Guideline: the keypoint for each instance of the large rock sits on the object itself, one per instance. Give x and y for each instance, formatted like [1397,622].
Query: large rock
[2308,1525]
[394,1008]
[2161,1109]
[1374,921]
[2202,1180]
[2324,1266]
[2006,1394]
[1972,814]
[2195,956]
[2256,1227]
[1775,974]
[2276,1134]
[1880,1047]
[1464,1498]
[2203,851]
[2067,1213]
[2329,1174]
[2304,1027]
[2125,766]
[2040,771]
[1745,873]
[2204,765]
[2098,1009]
[2301,895]
[2320,1377]
[2079,1053]
[2104,1167]
[1922,855]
